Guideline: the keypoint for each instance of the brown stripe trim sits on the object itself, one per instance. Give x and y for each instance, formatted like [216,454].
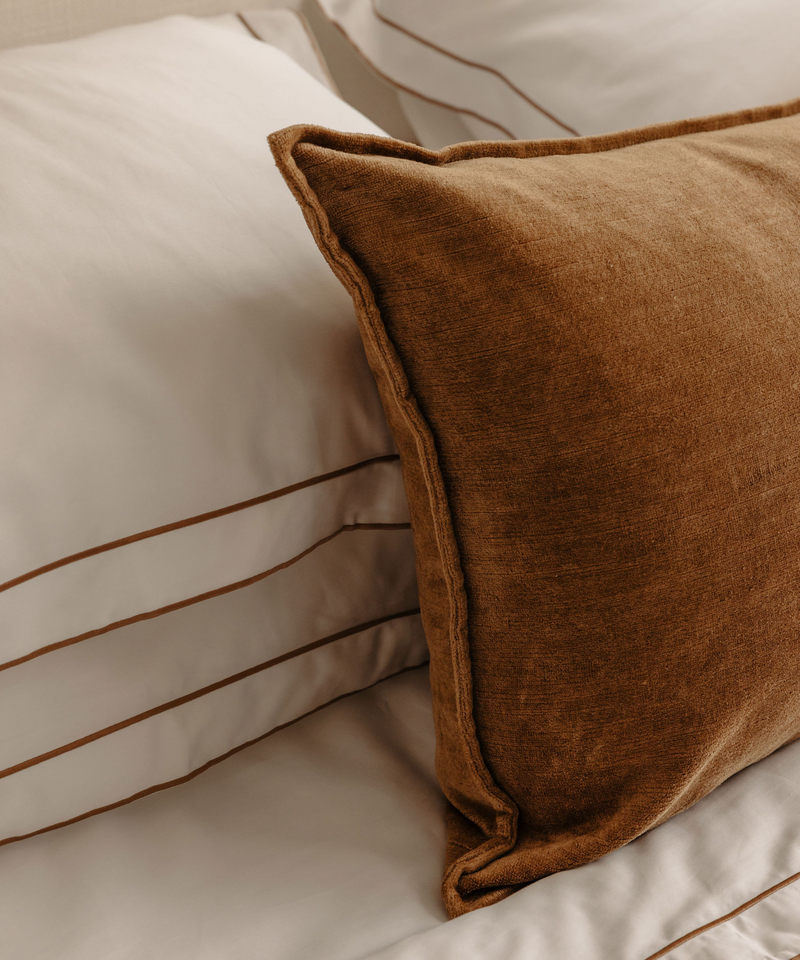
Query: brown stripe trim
[399,86]
[247,26]
[218,685]
[208,595]
[473,63]
[211,763]
[190,521]
[728,916]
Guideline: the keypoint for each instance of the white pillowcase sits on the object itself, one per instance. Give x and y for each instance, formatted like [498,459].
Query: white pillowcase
[196,479]
[533,69]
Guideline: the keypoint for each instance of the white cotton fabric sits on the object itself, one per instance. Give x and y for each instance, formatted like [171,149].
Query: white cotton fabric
[183,564]
[170,745]
[288,30]
[351,580]
[543,68]
[173,345]
[326,840]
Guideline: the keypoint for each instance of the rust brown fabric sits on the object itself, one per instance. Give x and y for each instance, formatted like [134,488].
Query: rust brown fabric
[589,354]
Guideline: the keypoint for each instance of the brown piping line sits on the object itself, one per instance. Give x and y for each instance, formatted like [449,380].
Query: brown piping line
[473,63]
[211,763]
[400,86]
[190,521]
[208,595]
[211,688]
[728,916]
[312,40]
[249,29]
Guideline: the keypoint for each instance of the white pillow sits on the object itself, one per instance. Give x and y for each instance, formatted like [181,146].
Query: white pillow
[204,528]
[533,69]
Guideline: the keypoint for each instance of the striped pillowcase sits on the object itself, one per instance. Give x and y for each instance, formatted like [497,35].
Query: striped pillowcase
[542,69]
[205,531]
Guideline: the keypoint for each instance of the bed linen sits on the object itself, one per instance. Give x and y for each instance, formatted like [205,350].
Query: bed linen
[202,518]
[289,31]
[325,841]
[531,69]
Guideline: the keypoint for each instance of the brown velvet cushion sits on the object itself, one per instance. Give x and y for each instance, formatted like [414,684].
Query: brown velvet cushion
[589,353]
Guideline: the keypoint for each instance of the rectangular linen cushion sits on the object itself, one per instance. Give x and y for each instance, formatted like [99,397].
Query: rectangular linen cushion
[589,354]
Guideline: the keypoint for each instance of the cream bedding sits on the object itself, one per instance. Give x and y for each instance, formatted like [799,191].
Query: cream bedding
[202,517]
[325,840]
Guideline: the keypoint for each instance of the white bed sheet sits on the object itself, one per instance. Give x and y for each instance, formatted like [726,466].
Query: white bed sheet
[325,841]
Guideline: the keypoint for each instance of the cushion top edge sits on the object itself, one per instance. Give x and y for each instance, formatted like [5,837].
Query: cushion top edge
[284,142]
